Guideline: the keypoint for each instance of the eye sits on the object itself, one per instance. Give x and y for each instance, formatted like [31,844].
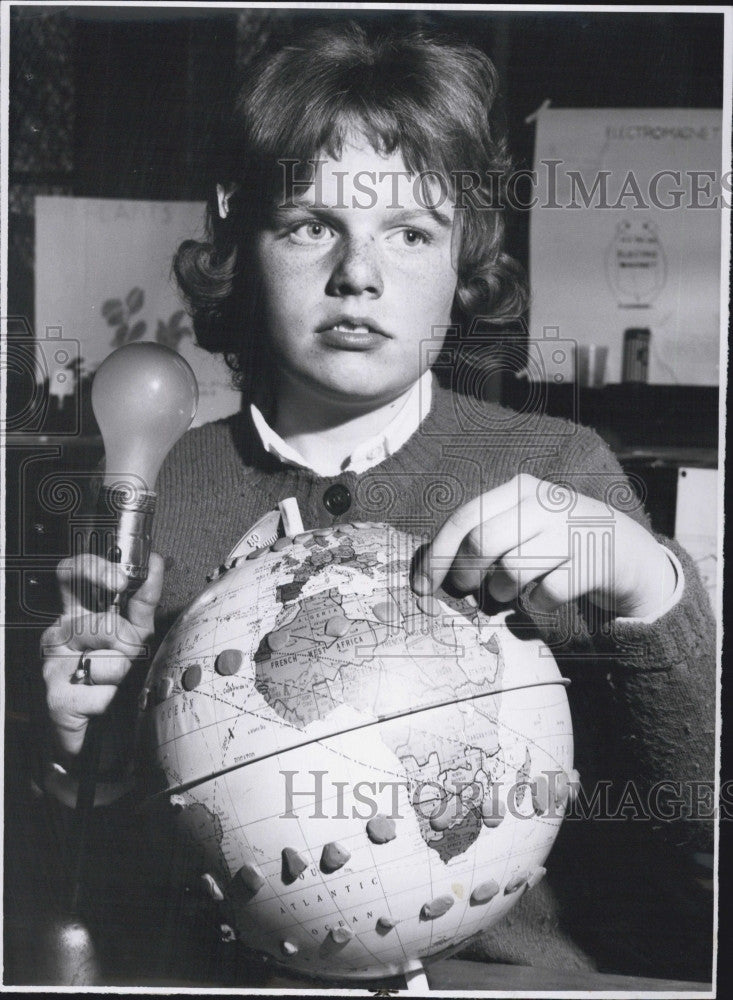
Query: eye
[312,231]
[414,237]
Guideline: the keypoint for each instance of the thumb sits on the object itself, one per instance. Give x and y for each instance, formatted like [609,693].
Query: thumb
[141,606]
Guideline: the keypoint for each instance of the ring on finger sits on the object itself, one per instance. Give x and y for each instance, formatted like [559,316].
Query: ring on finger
[83,672]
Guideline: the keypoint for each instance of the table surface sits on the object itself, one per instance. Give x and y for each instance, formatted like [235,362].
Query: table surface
[457,974]
[460,974]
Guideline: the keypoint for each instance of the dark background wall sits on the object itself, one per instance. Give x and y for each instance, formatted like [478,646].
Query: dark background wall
[118,102]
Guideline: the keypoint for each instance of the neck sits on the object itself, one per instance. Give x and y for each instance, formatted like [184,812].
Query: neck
[321,429]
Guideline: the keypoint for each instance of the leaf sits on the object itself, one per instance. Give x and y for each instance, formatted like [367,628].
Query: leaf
[116,316]
[135,300]
[137,331]
[176,318]
[111,305]
[121,335]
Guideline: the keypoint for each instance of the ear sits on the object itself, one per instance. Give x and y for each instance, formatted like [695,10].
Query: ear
[223,194]
[456,241]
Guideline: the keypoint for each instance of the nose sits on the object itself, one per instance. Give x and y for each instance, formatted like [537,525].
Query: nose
[357,270]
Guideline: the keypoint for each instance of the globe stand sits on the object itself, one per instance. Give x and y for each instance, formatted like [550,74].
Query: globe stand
[415,979]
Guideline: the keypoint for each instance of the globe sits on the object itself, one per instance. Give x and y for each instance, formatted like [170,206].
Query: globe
[365,779]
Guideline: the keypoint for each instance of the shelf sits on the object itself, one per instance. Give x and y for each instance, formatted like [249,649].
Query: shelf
[630,415]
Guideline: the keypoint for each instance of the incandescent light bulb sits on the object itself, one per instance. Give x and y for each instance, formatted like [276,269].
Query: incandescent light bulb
[144,397]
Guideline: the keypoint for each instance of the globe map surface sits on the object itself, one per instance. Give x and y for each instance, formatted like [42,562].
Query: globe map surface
[365,779]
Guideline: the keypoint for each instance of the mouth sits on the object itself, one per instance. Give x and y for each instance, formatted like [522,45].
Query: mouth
[352,333]
[352,324]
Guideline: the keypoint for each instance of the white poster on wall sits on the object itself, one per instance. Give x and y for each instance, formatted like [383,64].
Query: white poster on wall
[696,523]
[626,234]
[103,279]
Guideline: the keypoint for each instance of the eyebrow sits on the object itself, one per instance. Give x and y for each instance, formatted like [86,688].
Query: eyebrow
[416,214]
[402,216]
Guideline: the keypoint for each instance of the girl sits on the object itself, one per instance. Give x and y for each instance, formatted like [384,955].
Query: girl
[351,227]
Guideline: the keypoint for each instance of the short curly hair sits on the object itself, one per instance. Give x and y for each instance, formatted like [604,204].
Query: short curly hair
[429,98]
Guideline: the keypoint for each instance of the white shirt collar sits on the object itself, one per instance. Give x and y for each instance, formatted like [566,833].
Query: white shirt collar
[415,407]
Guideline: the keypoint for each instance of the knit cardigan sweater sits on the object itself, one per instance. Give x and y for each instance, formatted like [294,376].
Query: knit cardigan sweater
[619,895]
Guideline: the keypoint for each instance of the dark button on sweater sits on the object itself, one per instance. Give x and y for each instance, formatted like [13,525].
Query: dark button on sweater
[337,499]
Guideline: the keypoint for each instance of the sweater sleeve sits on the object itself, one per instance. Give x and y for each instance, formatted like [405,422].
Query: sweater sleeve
[657,681]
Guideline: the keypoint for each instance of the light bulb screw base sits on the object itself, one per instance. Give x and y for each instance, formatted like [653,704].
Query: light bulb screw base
[124,521]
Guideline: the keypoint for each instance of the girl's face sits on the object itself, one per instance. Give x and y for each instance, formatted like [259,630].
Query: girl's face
[359,278]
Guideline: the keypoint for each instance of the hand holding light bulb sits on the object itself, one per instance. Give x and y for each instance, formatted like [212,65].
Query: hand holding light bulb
[144,398]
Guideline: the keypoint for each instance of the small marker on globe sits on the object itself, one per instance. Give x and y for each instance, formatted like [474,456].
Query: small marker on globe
[514,884]
[165,688]
[288,948]
[341,935]
[436,907]
[293,864]
[281,543]
[248,876]
[278,640]
[337,626]
[540,795]
[386,612]
[381,829]
[334,856]
[212,887]
[442,817]
[537,875]
[484,892]
[386,923]
[228,662]
[191,677]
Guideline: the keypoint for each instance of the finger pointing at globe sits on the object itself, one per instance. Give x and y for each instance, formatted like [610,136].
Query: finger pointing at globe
[466,546]
[529,530]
